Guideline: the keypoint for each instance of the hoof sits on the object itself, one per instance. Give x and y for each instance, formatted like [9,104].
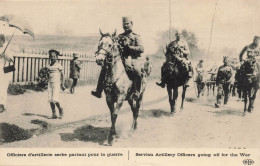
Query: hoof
[171,114]
[181,109]
[111,140]
[243,114]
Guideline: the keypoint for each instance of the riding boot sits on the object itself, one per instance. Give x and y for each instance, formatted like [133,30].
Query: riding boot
[101,79]
[2,108]
[187,84]
[162,83]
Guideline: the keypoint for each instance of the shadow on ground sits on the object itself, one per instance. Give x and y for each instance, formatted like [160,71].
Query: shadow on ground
[10,133]
[87,133]
[154,113]
[224,112]
[31,114]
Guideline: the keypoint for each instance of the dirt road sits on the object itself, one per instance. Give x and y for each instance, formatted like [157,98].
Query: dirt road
[86,122]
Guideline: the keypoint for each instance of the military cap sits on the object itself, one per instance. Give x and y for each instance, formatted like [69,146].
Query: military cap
[52,50]
[177,33]
[127,19]
[75,55]
[2,37]
[256,37]
[225,58]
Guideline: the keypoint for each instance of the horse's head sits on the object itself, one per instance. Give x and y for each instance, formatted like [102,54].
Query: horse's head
[107,45]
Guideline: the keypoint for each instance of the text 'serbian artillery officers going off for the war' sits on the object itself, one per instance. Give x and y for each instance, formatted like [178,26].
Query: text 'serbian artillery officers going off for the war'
[74,71]
[131,50]
[223,81]
[55,72]
[180,50]
[252,54]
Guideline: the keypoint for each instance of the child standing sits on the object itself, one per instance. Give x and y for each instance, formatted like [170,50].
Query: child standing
[55,71]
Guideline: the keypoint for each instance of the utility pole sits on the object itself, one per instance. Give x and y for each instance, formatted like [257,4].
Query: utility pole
[211,30]
[170,19]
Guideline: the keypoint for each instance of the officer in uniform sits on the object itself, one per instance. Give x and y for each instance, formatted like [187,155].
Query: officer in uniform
[223,81]
[180,50]
[131,50]
[253,54]
[74,71]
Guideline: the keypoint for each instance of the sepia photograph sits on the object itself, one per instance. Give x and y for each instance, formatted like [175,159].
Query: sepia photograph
[107,74]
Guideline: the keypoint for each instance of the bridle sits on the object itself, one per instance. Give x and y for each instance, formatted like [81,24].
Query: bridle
[110,58]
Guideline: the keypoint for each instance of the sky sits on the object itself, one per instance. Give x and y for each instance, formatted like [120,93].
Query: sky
[236,21]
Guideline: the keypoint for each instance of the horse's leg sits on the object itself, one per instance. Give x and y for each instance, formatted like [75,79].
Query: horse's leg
[135,109]
[208,89]
[183,96]
[114,113]
[175,96]
[110,104]
[253,98]
[170,95]
[245,100]
[199,90]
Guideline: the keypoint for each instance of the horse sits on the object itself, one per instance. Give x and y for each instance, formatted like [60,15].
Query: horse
[176,75]
[211,83]
[249,83]
[118,86]
[200,84]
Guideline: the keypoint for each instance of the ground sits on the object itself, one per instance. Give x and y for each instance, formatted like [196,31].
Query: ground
[86,122]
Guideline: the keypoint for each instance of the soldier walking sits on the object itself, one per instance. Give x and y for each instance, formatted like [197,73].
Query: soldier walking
[74,71]
[223,81]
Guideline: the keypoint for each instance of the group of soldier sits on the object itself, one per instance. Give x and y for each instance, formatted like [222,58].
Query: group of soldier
[132,49]
[225,74]
[180,50]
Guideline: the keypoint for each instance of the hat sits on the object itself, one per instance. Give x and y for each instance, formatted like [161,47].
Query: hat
[225,58]
[256,37]
[75,55]
[177,33]
[201,60]
[127,19]
[52,50]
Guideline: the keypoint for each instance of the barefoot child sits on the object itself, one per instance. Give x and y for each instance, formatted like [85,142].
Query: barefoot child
[55,75]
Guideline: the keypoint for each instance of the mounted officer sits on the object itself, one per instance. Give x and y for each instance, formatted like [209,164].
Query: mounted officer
[131,50]
[179,50]
[252,56]
[223,81]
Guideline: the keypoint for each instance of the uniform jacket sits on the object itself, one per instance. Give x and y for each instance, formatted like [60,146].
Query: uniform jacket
[175,46]
[75,68]
[135,47]
[251,52]
[224,74]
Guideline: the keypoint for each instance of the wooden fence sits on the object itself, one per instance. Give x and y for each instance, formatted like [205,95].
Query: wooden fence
[28,65]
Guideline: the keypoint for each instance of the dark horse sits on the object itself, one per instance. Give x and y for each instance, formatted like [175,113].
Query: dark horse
[118,86]
[175,75]
[248,81]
